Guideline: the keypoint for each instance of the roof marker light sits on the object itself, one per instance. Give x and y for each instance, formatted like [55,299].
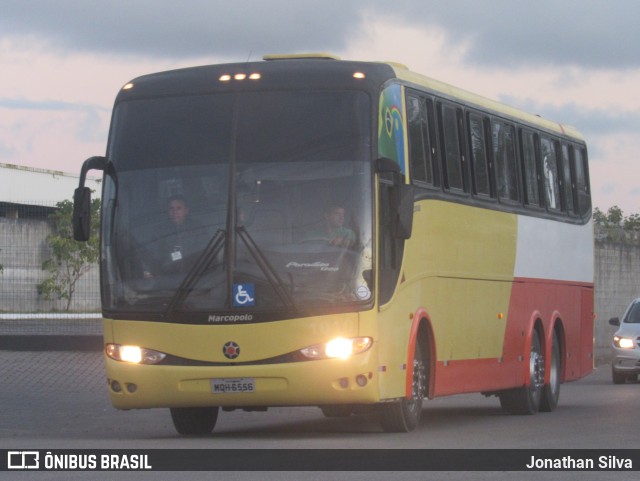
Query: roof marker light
[240,76]
[128,86]
[255,76]
[359,75]
[225,78]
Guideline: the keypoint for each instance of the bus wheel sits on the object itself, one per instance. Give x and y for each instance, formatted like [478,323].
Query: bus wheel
[194,421]
[404,415]
[551,391]
[526,399]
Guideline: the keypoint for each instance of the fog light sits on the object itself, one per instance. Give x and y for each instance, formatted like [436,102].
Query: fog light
[115,386]
[344,383]
[131,388]
[361,380]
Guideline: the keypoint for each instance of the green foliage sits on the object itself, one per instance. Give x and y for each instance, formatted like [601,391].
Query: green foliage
[69,259]
[613,218]
[614,226]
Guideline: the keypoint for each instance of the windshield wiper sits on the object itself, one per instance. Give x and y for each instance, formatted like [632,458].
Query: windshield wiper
[202,264]
[266,267]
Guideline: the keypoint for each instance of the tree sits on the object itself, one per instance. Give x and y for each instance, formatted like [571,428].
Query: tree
[69,259]
[615,215]
[632,222]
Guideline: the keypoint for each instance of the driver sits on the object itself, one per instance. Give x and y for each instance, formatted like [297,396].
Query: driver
[333,229]
[181,238]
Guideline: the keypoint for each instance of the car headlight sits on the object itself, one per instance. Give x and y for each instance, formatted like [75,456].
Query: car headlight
[623,342]
[134,354]
[340,348]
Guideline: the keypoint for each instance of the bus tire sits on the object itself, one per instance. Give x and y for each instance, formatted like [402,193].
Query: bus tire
[551,391]
[526,399]
[194,421]
[404,415]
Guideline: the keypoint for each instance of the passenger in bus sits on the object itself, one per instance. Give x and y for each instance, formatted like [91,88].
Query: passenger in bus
[333,230]
[180,240]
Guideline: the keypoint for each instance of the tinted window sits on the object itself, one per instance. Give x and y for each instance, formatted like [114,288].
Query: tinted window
[550,172]
[504,153]
[419,147]
[479,161]
[582,180]
[451,147]
[531,177]
[568,185]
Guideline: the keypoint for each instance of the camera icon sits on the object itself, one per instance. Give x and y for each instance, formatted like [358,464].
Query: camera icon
[23,460]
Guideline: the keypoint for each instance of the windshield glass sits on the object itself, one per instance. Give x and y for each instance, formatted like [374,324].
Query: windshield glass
[228,203]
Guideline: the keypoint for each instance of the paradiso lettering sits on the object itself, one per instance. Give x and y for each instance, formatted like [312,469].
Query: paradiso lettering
[323,266]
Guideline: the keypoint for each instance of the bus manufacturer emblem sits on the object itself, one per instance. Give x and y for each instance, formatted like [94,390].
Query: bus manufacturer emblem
[231,350]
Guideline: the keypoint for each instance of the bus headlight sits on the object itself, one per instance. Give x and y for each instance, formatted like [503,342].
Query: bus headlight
[341,348]
[134,354]
[623,342]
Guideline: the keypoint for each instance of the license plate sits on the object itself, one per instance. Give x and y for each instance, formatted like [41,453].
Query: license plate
[233,386]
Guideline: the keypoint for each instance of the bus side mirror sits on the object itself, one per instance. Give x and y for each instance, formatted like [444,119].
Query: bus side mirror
[402,197]
[82,214]
[405,211]
[82,200]
[614,321]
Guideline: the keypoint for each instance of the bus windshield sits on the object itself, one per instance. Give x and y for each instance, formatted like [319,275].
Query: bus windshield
[232,202]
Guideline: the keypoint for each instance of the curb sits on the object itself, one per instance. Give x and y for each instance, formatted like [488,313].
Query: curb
[51,343]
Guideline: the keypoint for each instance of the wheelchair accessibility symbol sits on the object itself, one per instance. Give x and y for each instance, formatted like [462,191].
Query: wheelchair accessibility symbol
[243,295]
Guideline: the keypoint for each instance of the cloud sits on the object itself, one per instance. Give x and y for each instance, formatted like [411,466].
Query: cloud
[186,28]
[590,33]
[44,105]
[591,122]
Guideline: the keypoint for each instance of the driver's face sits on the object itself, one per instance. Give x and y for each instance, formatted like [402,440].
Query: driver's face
[335,217]
[178,211]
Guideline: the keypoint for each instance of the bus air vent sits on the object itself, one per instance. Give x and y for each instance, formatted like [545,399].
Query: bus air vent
[301,56]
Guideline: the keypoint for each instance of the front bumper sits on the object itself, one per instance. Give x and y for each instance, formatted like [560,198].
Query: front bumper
[331,381]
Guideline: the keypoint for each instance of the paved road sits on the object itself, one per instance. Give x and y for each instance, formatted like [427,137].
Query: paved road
[59,400]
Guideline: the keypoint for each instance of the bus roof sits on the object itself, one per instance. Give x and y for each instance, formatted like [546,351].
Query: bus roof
[317,70]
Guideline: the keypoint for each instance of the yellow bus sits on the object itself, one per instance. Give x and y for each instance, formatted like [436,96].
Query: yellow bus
[307,231]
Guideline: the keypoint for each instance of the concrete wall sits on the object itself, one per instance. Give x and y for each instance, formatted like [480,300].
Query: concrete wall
[617,278]
[23,249]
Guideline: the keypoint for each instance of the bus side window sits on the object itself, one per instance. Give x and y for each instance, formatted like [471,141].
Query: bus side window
[568,184]
[450,138]
[479,160]
[530,168]
[582,180]
[550,171]
[504,154]
[419,144]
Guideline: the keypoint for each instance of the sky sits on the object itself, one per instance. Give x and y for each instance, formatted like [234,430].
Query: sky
[62,63]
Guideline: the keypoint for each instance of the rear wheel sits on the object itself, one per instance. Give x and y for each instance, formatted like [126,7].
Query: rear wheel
[404,415]
[526,399]
[551,391]
[194,421]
